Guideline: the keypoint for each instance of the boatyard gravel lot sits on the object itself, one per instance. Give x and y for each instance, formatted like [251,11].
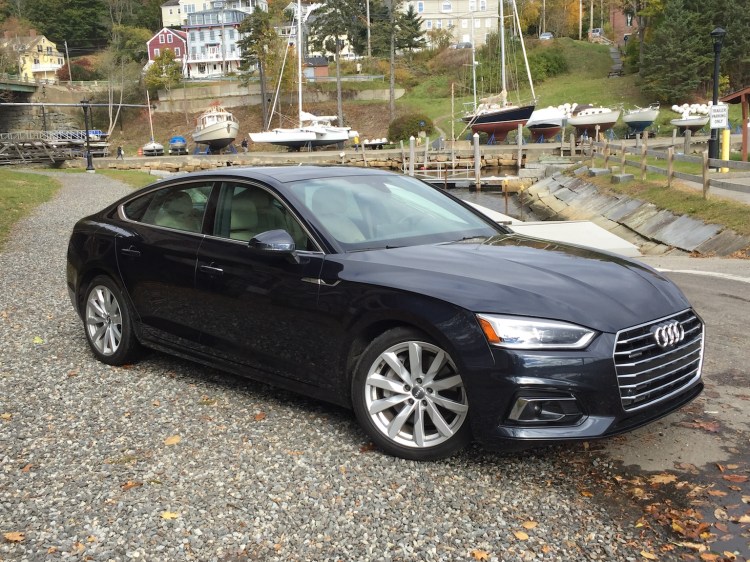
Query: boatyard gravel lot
[168,460]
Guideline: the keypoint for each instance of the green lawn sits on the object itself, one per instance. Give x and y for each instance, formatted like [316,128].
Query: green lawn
[20,194]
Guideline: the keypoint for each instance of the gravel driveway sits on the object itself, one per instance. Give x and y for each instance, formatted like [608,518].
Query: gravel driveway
[167,460]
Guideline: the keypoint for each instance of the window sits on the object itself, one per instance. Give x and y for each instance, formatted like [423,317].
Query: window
[177,52]
[170,11]
[629,20]
[180,208]
[439,24]
[49,50]
[189,8]
[193,36]
[464,24]
[169,38]
[428,24]
[472,5]
[161,39]
[231,33]
[244,211]
[446,6]
[156,52]
[420,7]
[39,48]
[482,5]
[36,61]
[201,35]
[211,35]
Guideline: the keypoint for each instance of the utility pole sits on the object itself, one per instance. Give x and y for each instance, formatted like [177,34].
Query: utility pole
[70,68]
[369,46]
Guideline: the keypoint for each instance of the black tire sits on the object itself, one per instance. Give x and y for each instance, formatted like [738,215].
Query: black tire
[108,323]
[420,415]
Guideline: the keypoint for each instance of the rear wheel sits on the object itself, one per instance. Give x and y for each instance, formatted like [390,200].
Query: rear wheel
[108,323]
[410,398]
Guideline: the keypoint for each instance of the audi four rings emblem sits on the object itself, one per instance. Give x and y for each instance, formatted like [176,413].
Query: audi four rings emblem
[669,333]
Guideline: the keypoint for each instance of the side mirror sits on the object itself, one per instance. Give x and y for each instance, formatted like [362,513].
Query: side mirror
[273,242]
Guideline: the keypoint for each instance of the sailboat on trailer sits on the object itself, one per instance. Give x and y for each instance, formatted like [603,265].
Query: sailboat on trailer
[495,115]
[312,130]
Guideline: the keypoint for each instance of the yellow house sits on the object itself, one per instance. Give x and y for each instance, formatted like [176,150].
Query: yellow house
[38,57]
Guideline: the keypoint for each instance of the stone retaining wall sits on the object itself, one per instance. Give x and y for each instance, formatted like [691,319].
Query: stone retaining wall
[655,231]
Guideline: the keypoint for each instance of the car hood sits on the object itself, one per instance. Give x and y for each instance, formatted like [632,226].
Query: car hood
[524,276]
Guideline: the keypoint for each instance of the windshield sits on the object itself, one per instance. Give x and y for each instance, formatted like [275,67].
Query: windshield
[383,211]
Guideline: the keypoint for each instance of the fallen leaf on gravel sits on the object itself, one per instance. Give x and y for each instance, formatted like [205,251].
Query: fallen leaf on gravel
[173,440]
[260,416]
[130,484]
[14,536]
[169,515]
[745,499]
[721,527]
[742,519]
[529,524]
[721,467]
[367,448]
[6,416]
[586,494]
[719,493]
[709,557]
[27,468]
[733,466]
[735,477]
[663,478]
[730,555]
[521,536]
[720,514]
[38,340]
[52,550]
[477,554]
[693,545]
[649,555]
[156,403]
[78,547]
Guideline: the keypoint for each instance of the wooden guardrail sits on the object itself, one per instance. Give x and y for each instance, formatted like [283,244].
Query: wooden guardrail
[612,151]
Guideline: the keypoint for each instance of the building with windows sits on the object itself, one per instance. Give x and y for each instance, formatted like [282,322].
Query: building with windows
[174,13]
[212,41]
[470,21]
[38,57]
[168,40]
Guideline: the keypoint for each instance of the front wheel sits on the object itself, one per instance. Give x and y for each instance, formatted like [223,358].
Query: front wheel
[410,398]
[108,323]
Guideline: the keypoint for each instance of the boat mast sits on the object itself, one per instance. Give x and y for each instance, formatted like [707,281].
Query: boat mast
[504,88]
[150,123]
[523,49]
[299,61]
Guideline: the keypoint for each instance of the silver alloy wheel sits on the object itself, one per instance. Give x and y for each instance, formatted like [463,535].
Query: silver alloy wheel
[104,320]
[415,396]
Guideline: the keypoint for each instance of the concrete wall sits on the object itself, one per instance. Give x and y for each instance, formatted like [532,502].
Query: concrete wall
[233,94]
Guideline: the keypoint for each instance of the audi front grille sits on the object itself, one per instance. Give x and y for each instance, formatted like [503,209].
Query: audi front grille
[658,360]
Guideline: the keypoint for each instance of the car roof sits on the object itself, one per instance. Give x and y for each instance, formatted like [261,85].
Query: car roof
[284,174]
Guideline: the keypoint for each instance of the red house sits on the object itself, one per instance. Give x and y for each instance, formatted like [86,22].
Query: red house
[168,40]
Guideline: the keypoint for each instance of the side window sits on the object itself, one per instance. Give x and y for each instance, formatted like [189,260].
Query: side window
[247,210]
[181,208]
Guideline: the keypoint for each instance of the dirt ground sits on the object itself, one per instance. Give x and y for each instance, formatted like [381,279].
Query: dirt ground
[132,132]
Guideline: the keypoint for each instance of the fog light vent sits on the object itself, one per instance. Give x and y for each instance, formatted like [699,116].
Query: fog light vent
[545,409]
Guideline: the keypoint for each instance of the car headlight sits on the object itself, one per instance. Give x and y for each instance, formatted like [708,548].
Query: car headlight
[515,332]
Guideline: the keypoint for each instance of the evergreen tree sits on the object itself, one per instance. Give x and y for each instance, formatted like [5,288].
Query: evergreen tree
[79,22]
[409,34]
[674,59]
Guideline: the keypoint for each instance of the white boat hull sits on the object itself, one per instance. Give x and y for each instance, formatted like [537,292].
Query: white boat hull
[639,119]
[588,122]
[217,135]
[305,137]
[692,123]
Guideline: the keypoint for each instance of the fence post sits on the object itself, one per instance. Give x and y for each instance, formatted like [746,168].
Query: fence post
[622,158]
[364,158]
[591,148]
[572,144]
[606,153]
[426,152]
[670,165]
[596,133]
[674,136]
[519,139]
[643,162]
[477,162]
[686,148]
[412,149]
[403,157]
[706,181]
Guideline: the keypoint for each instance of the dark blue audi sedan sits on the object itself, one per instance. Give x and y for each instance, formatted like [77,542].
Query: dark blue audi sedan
[381,293]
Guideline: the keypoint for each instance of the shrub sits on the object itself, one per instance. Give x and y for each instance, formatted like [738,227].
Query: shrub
[546,63]
[406,126]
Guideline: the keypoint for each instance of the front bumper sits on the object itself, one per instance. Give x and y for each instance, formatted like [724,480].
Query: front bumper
[561,395]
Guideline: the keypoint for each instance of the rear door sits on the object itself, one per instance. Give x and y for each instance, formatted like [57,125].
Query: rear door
[157,257]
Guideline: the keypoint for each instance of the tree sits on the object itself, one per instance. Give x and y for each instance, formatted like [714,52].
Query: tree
[409,34]
[258,46]
[673,60]
[131,42]
[439,39]
[334,21]
[79,22]
[164,73]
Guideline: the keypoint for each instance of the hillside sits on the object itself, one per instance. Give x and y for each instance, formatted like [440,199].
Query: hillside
[586,82]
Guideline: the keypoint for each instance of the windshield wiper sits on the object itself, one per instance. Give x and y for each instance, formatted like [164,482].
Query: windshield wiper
[469,239]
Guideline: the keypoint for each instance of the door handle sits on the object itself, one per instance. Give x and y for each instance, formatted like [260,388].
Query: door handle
[211,270]
[132,252]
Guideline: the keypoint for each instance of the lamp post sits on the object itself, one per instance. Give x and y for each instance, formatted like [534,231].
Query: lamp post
[717,36]
[89,160]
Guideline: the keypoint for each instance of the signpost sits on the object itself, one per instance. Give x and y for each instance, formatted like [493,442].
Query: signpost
[719,117]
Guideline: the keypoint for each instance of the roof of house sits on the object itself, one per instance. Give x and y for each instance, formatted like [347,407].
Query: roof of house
[170,3]
[316,61]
